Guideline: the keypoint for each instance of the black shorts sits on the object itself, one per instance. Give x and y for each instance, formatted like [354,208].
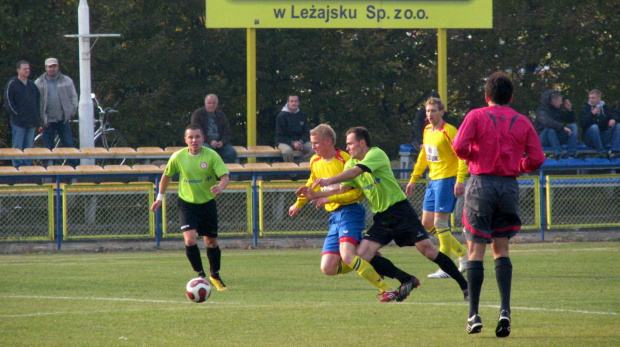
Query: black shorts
[491,208]
[199,217]
[399,223]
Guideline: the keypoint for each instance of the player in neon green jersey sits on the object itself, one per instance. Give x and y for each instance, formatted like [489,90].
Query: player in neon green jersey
[199,169]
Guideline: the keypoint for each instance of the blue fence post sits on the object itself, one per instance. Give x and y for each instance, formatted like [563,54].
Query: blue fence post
[255,228]
[543,214]
[58,212]
[158,218]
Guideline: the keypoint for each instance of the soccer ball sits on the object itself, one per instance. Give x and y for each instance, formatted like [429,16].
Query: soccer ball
[198,289]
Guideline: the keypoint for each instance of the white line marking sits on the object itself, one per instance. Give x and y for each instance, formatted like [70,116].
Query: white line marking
[212,305]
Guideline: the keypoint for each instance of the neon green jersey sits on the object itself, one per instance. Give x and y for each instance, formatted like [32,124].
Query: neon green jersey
[379,185]
[197,173]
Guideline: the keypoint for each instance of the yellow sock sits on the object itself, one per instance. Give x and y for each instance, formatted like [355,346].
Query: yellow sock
[366,270]
[433,231]
[445,241]
[343,268]
[457,248]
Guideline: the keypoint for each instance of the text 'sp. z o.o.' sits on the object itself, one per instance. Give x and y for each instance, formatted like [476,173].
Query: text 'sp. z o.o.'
[341,12]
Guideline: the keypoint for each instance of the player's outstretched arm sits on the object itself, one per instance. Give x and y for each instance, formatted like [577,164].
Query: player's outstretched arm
[344,176]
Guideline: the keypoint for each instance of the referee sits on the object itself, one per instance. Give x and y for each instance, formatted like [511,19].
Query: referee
[199,169]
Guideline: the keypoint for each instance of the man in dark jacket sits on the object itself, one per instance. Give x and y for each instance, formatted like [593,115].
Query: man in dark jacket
[21,100]
[600,125]
[550,124]
[292,131]
[216,129]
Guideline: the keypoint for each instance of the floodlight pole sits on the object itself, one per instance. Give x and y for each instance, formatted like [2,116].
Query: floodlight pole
[85,107]
[442,65]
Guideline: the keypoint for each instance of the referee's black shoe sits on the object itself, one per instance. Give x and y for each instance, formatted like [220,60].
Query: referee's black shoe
[474,324]
[503,324]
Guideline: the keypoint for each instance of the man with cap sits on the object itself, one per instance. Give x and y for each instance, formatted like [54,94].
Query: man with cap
[59,103]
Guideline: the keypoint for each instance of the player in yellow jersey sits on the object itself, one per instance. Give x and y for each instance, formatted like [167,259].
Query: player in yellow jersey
[347,221]
[447,173]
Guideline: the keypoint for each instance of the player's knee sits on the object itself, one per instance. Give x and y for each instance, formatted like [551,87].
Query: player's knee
[441,223]
[329,269]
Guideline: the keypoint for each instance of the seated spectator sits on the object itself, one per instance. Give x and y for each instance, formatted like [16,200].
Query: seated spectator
[600,125]
[293,131]
[550,124]
[216,129]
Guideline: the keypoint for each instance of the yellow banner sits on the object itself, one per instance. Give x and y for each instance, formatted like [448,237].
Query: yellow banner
[371,14]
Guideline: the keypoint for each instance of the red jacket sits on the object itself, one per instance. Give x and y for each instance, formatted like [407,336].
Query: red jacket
[494,139]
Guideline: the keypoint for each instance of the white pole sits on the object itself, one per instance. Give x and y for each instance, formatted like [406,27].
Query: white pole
[86,103]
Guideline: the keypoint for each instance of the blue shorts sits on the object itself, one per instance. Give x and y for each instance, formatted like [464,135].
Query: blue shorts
[346,224]
[439,196]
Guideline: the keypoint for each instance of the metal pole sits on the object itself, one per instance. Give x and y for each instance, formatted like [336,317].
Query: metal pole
[442,65]
[86,103]
[251,89]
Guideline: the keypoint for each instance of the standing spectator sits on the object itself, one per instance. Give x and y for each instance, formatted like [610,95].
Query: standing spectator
[59,104]
[199,170]
[21,100]
[550,124]
[216,129]
[600,125]
[493,140]
[292,131]
[447,173]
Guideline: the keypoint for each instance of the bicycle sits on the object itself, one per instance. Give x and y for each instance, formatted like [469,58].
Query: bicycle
[104,136]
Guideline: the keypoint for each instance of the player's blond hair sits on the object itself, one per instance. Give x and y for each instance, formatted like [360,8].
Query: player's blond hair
[324,131]
[435,101]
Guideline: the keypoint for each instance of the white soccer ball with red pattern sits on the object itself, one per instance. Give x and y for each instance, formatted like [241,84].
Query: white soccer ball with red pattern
[198,289]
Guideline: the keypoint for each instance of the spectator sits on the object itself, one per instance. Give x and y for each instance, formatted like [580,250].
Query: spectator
[600,125]
[292,131]
[21,100]
[215,126]
[550,124]
[59,103]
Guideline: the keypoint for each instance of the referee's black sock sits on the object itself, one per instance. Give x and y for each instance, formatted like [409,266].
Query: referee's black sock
[214,255]
[503,275]
[475,277]
[385,267]
[193,254]
[447,265]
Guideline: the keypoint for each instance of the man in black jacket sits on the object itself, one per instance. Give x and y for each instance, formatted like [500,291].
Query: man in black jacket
[216,129]
[600,125]
[292,131]
[550,124]
[21,100]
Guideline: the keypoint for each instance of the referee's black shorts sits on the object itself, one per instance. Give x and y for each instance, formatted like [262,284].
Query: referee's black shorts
[199,217]
[399,223]
[491,208]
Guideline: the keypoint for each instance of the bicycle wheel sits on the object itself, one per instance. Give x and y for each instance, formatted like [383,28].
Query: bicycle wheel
[108,139]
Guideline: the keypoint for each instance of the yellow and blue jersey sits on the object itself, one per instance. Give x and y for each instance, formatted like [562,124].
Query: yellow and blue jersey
[438,155]
[321,168]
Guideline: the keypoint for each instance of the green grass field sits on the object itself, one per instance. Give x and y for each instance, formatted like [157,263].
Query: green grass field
[563,295]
